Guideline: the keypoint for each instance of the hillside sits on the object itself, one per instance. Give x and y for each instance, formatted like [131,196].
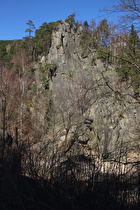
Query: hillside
[70,114]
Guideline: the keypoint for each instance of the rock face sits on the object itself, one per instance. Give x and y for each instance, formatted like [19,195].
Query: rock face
[93,107]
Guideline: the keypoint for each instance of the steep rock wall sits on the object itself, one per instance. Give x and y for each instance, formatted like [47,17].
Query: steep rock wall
[108,118]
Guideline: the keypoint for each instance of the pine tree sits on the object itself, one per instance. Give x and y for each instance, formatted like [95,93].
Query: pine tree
[30,28]
[86,26]
[129,61]
[71,20]
[133,41]
[103,32]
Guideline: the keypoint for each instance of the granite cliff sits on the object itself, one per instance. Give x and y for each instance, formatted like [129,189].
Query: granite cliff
[92,107]
[69,123]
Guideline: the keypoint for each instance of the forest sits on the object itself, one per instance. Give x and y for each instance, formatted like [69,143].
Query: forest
[69,115]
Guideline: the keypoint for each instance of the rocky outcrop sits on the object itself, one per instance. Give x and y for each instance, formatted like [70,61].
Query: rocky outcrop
[92,105]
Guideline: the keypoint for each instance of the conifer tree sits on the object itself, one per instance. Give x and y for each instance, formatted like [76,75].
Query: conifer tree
[30,28]
[103,32]
[71,20]
[86,25]
[133,41]
[129,61]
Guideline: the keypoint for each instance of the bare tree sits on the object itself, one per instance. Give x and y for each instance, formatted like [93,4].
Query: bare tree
[9,102]
[72,98]
[128,10]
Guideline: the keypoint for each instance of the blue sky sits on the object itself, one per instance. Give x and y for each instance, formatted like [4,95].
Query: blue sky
[14,14]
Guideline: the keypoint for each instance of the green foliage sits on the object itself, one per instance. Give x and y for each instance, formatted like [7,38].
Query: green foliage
[103,33]
[85,26]
[104,54]
[43,37]
[101,55]
[47,72]
[87,40]
[133,42]
[5,52]
[30,28]
[129,60]
[120,116]
[71,20]
[98,39]
[33,46]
